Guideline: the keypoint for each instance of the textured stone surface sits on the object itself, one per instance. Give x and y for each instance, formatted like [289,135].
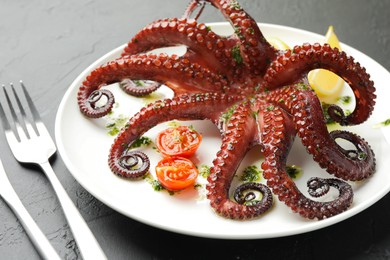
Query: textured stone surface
[48,43]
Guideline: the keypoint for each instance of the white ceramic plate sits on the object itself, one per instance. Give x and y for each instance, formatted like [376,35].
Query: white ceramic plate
[84,144]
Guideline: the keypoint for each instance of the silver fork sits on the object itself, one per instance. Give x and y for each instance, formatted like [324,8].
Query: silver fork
[9,195]
[30,142]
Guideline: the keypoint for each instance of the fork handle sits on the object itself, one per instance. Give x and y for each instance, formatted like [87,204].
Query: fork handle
[87,243]
[40,241]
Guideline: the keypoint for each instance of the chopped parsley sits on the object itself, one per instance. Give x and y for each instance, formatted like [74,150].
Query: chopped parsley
[386,122]
[235,5]
[303,86]
[204,171]
[141,141]
[252,202]
[362,156]
[345,99]
[115,126]
[237,31]
[156,185]
[270,108]
[383,123]
[236,54]
[294,171]
[228,114]
[328,119]
[139,83]
[251,174]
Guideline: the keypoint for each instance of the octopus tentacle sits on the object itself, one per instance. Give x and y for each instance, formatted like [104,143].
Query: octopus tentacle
[250,197]
[90,104]
[185,107]
[307,114]
[318,187]
[139,88]
[136,163]
[198,38]
[174,71]
[277,143]
[294,65]
[239,136]
[255,50]
[192,6]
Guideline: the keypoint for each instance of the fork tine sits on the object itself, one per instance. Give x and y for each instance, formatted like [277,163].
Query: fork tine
[30,124]
[30,103]
[15,119]
[4,120]
[10,134]
[25,123]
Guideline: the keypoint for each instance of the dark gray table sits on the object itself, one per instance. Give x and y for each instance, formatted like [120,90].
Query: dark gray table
[48,43]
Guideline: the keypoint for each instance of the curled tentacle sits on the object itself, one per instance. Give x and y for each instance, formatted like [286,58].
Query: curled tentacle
[318,187]
[249,198]
[186,107]
[138,88]
[309,121]
[276,148]
[295,64]
[176,72]
[90,102]
[239,137]
[362,152]
[136,163]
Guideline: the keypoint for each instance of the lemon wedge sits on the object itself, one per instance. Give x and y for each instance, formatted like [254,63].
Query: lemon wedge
[325,83]
[278,43]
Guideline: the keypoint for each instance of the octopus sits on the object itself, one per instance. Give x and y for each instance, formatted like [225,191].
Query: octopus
[265,93]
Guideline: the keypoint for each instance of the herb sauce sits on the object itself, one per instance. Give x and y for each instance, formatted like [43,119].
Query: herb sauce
[116,125]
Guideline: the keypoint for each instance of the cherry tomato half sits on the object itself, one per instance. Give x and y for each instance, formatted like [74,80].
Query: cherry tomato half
[176,173]
[178,141]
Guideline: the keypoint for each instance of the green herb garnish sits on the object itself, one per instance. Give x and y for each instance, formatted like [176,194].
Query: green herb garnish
[139,83]
[115,127]
[383,123]
[204,171]
[328,119]
[270,108]
[141,141]
[236,54]
[235,5]
[228,114]
[345,99]
[294,171]
[251,174]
